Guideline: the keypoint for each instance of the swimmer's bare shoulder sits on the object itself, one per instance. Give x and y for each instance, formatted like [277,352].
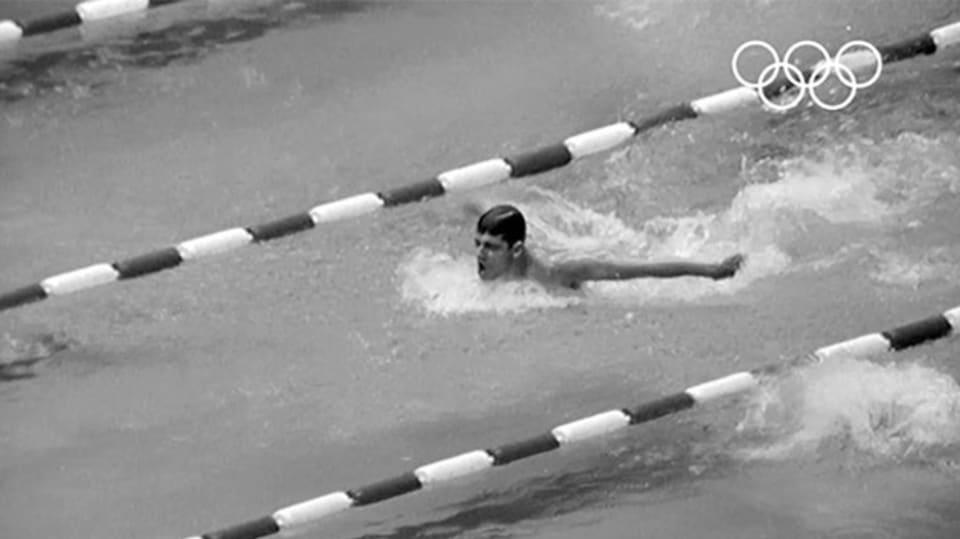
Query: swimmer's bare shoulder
[562,275]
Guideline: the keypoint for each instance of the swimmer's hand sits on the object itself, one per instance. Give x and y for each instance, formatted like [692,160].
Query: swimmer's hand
[728,267]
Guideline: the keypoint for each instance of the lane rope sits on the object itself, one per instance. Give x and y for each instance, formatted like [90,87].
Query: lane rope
[439,472]
[464,178]
[12,31]
[461,179]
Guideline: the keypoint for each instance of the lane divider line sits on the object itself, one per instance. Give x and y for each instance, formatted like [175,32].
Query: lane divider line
[436,473]
[472,176]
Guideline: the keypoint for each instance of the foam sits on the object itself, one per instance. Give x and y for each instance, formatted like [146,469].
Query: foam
[890,411]
[445,285]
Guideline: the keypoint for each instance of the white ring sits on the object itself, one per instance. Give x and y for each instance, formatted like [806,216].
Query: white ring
[876,54]
[736,56]
[793,48]
[837,68]
[782,108]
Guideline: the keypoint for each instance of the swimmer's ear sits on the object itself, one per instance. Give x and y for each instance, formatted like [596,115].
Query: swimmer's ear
[517,249]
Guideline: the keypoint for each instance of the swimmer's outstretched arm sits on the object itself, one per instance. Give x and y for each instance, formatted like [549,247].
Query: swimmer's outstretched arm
[595,270]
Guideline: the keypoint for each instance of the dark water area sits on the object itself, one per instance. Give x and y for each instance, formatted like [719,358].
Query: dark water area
[229,387]
[185,37]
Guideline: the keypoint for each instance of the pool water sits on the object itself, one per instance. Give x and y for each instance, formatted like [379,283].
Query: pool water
[219,391]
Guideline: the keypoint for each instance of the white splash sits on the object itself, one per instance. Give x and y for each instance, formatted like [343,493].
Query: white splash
[822,210]
[445,285]
[911,271]
[888,411]
[837,195]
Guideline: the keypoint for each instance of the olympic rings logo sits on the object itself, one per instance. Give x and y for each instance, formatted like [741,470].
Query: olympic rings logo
[821,72]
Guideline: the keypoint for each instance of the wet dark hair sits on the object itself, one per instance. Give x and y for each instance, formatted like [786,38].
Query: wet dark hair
[505,221]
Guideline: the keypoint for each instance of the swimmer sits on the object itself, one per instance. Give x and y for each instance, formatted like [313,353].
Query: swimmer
[502,254]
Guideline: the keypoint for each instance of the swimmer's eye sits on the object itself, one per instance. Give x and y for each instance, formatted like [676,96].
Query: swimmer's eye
[487,245]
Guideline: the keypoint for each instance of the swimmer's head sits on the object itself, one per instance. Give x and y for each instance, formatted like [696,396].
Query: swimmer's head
[501,231]
[504,221]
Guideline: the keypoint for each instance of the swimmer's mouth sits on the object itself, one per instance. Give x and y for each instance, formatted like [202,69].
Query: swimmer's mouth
[481,269]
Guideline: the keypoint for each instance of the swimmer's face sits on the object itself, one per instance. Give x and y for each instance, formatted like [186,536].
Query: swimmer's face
[494,257]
